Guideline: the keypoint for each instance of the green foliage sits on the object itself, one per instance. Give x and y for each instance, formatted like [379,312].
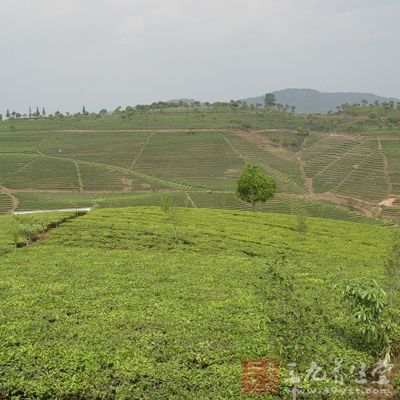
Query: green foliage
[300,314]
[25,232]
[303,132]
[18,231]
[368,302]
[121,306]
[98,202]
[302,224]
[393,270]
[254,186]
[269,100]
[171,215]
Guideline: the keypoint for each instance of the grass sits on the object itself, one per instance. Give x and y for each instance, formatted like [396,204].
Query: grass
[177,299]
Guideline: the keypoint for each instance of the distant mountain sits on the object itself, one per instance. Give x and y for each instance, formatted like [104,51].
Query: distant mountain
[309,100]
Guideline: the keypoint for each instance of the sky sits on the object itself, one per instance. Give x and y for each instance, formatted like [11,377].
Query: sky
[63,54]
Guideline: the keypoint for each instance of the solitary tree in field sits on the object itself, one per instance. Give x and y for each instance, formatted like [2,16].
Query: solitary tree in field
[254,186]
[269,100]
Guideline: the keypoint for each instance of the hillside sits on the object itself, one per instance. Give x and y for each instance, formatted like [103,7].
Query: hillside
[167,303]
[313,101]
[342,166]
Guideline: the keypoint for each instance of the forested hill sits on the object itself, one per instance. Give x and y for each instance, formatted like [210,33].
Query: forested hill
[309,100]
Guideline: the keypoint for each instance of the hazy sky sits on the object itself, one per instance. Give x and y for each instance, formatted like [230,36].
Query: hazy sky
[103,53]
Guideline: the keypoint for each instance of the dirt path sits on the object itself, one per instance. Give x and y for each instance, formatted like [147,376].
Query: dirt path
[347,176]
[234,149]
[141,150]
[364,207]
[78,171]
[273,130]
[265,144]
[14,200]
[24,167]
[337,158]
[191,200]
[308,182]
[165,182]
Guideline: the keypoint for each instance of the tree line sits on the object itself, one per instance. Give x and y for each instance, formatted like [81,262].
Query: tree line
[269,103]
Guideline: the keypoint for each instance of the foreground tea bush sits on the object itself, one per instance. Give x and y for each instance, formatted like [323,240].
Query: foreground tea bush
[136,303]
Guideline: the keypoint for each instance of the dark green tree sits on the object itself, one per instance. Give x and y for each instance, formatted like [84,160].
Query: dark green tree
[269,100]
[8,113]
[254,186]
[44,112]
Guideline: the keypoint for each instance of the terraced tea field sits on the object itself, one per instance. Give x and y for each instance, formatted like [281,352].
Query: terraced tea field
[45,169]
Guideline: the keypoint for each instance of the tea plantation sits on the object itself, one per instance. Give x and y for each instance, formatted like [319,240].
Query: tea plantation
[346,162]
[163,302]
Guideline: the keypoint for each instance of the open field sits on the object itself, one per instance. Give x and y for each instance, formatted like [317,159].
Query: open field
[46,164]
[167,303]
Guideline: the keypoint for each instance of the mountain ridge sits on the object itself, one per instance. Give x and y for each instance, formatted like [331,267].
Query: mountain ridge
[313,101]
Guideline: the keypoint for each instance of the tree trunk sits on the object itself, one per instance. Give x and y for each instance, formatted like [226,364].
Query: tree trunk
[253,206]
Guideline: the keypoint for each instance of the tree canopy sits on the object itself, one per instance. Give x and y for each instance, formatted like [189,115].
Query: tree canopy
[254,186]
[269,100]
